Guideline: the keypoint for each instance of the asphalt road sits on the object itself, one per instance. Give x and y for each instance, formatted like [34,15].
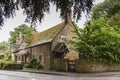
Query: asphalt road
[14,75]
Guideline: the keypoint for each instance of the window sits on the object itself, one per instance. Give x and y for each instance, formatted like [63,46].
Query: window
[33,56]
[63,37]
[41,58]
[20,58]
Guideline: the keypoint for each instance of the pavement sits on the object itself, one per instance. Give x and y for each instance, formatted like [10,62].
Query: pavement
[73,74]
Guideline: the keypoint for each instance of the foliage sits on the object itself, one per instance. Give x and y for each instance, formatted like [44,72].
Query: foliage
[7,55]
[4,50]
[114,20]
[1,56]
[24,29]
[108,8]
[78,6]
[5,64]
[10,61]
[7,9]
[33,64]
[35,9]
[3,46]
[98,40]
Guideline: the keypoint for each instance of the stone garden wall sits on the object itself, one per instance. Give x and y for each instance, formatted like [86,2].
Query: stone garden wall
[83,65]
[59,65]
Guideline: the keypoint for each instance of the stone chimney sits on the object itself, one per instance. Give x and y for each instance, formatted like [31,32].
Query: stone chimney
[69,17]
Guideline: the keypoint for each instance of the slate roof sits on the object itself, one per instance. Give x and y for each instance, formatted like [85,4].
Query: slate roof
[47,35]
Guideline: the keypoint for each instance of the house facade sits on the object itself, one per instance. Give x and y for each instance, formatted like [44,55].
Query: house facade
[47,45]
[21,53]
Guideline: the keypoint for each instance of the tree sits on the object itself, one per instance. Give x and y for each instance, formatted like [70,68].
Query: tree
[24,29]
[98,40]
[3,46]
[108,8]
[114,20]
[35,9]
[5,51]
[78,6]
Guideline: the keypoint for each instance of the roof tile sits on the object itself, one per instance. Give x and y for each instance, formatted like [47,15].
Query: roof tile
[48,34]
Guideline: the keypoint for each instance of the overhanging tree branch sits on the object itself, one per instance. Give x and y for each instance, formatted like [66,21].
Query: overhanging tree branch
[35,9]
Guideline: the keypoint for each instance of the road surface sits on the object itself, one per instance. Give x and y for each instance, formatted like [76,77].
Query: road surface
[14,75]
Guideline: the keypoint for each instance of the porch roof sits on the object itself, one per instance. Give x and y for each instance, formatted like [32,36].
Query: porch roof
[61,47]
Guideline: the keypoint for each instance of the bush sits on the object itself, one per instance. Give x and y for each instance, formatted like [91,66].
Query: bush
[5,64]
[1,65]
[26,65]
[98,41]
[33,64]
[39,66]
[1,56]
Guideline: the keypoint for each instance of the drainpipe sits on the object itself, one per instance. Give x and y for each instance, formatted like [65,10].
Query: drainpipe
[50,55]
[30,52]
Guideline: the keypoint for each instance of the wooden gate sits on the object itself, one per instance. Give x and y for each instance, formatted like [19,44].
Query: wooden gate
[71,66]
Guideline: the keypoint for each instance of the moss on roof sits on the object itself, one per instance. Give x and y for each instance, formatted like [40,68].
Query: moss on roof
[47,34]
[28,39]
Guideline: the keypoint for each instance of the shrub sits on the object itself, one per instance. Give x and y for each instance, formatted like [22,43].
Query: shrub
[39,66]
[33,64]
[26,65]
[5,64]
[1,65]
[98,40]
[1,56]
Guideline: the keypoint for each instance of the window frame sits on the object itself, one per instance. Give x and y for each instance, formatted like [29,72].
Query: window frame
[20,58]
[41,58]
[63,37]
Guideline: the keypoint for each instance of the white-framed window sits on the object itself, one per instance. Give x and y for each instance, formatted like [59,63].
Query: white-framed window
[63,37]
[23,57]
[41,58]
[20,57]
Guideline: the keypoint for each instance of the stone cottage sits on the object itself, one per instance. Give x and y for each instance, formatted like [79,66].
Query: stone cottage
[47,45]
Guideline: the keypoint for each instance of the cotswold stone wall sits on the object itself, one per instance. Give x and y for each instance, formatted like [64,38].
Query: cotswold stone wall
[44,50]
[95,66]
[68,32]
[59,64]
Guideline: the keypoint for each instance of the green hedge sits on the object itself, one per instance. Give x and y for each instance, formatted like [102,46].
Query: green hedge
[10,66]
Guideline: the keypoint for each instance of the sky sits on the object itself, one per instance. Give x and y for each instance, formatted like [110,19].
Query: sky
[50,20]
